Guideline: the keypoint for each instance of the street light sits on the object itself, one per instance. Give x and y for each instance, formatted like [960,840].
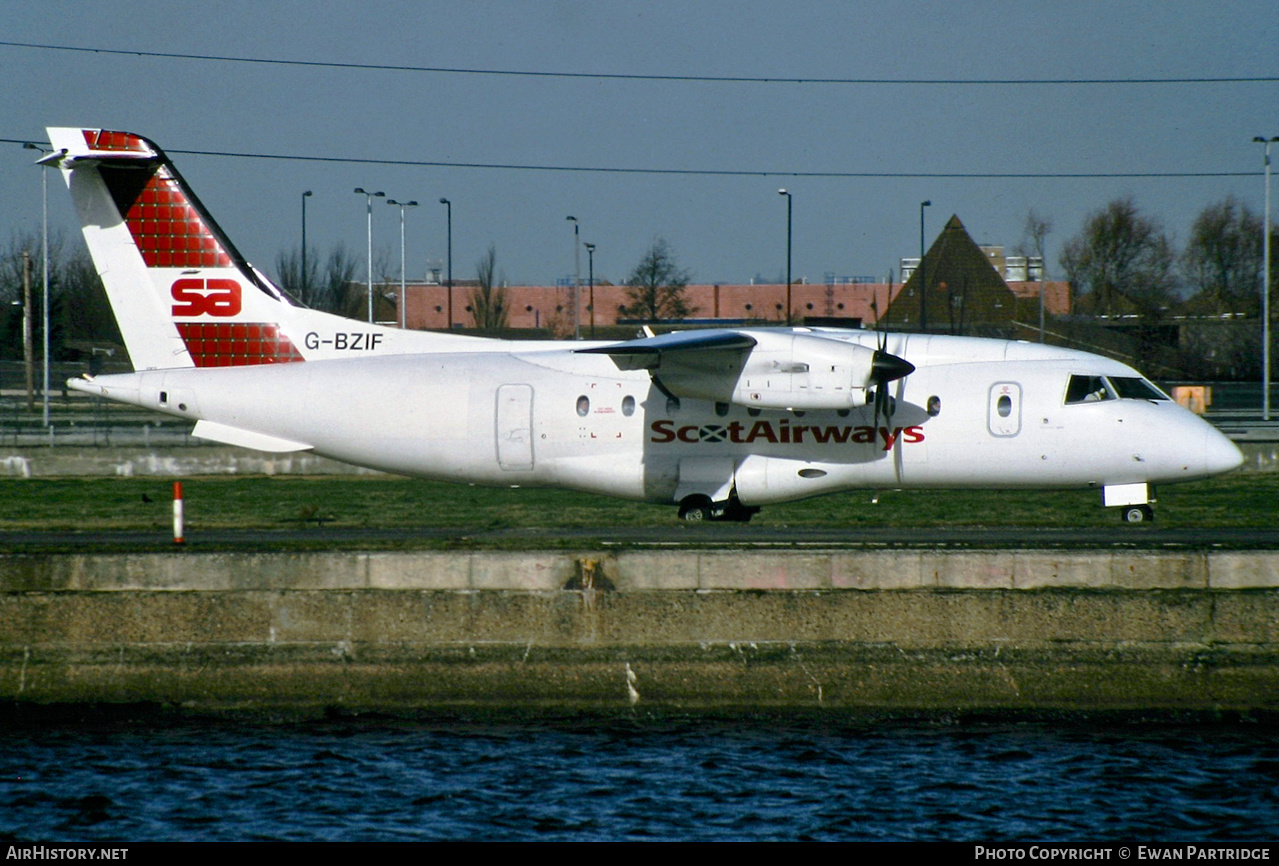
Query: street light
[1265,290]
[44,265]
[449,205]
[369,196]
[783,191]
[303,282]
[923,270]
[402,205]
[590,281]
[577,280]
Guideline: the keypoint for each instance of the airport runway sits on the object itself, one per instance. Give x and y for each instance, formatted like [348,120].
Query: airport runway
[674,536]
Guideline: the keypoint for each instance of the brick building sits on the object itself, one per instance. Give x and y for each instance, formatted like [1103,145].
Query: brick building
[957,269]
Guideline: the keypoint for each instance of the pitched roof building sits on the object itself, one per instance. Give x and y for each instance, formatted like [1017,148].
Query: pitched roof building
[956,290]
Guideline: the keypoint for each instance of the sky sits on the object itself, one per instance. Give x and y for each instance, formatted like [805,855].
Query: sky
[695,162]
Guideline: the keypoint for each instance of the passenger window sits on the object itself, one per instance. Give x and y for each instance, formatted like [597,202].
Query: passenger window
[628,405]
[1004,406]
[583,405]
[1087,389]
[672,405]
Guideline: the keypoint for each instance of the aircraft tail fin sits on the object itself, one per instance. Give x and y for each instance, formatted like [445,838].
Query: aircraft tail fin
[182,294]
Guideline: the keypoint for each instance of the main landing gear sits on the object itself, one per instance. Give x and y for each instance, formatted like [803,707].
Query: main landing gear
[699,509]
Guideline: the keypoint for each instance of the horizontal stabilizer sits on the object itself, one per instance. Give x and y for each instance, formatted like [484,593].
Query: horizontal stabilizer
[228,435]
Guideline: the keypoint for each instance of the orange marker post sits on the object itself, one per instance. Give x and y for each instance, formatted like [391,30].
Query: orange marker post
[177,513]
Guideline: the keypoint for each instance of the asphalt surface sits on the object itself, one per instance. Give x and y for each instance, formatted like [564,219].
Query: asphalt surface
[675,536]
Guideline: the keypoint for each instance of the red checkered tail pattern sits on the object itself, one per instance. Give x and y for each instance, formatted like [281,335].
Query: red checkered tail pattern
[182,294]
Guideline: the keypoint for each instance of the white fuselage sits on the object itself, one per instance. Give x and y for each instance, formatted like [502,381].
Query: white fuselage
[720,421]
[517,417]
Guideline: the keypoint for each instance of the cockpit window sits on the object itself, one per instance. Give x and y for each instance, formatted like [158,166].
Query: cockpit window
[1087,389]
[1091,389]
[1136,389]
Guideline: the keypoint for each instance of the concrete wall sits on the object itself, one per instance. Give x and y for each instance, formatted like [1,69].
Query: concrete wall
[176,462]
[715,630]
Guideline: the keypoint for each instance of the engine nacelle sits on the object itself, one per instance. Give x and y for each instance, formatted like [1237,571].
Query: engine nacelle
[783,371]
[760,480]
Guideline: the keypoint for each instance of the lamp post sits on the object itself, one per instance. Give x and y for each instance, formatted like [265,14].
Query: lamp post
[44,266]
[369,196]
[923,270]
[1265,288]
[403,206]
[590,281]
[783,191]
[449,283]
[304,287]
[1043,277]
[577,280]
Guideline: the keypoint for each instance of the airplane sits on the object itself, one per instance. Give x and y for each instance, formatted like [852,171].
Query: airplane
[717,422]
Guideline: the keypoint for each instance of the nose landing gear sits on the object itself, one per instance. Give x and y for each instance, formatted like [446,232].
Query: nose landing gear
[1134,501]
[1138,514]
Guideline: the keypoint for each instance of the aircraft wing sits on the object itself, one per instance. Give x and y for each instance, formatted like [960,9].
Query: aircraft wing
[646,353]
[775,368]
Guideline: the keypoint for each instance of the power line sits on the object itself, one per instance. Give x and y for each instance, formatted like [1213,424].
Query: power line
[619,76]
[708,172]
[718,172]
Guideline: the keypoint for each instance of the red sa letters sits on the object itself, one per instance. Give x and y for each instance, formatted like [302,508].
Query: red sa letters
[206,297]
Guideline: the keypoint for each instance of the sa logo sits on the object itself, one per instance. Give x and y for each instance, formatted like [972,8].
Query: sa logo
[206,297]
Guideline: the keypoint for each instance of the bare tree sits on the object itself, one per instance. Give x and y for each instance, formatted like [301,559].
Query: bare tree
[488,300]
[11,262]
[1222,261]
[80,307]
[334,293]
[1033,235]
[1121,262]
[301,286]
[656,286]
[386,266]
[326,289]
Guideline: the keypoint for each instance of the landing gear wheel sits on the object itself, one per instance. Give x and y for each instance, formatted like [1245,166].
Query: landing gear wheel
[695,510]
[1139,514]
[738,513]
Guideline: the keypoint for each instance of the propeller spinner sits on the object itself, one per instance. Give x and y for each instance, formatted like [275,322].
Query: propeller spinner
[884,368]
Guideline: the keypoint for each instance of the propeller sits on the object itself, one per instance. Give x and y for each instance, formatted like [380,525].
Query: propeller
[884,368]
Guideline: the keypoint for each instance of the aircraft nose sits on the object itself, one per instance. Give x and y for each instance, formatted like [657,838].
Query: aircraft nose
[1220,454]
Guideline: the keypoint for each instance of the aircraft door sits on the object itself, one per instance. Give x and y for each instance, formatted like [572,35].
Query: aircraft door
[515,427]
[1004,413]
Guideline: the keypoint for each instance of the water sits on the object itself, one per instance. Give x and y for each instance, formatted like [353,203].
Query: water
[616,779]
